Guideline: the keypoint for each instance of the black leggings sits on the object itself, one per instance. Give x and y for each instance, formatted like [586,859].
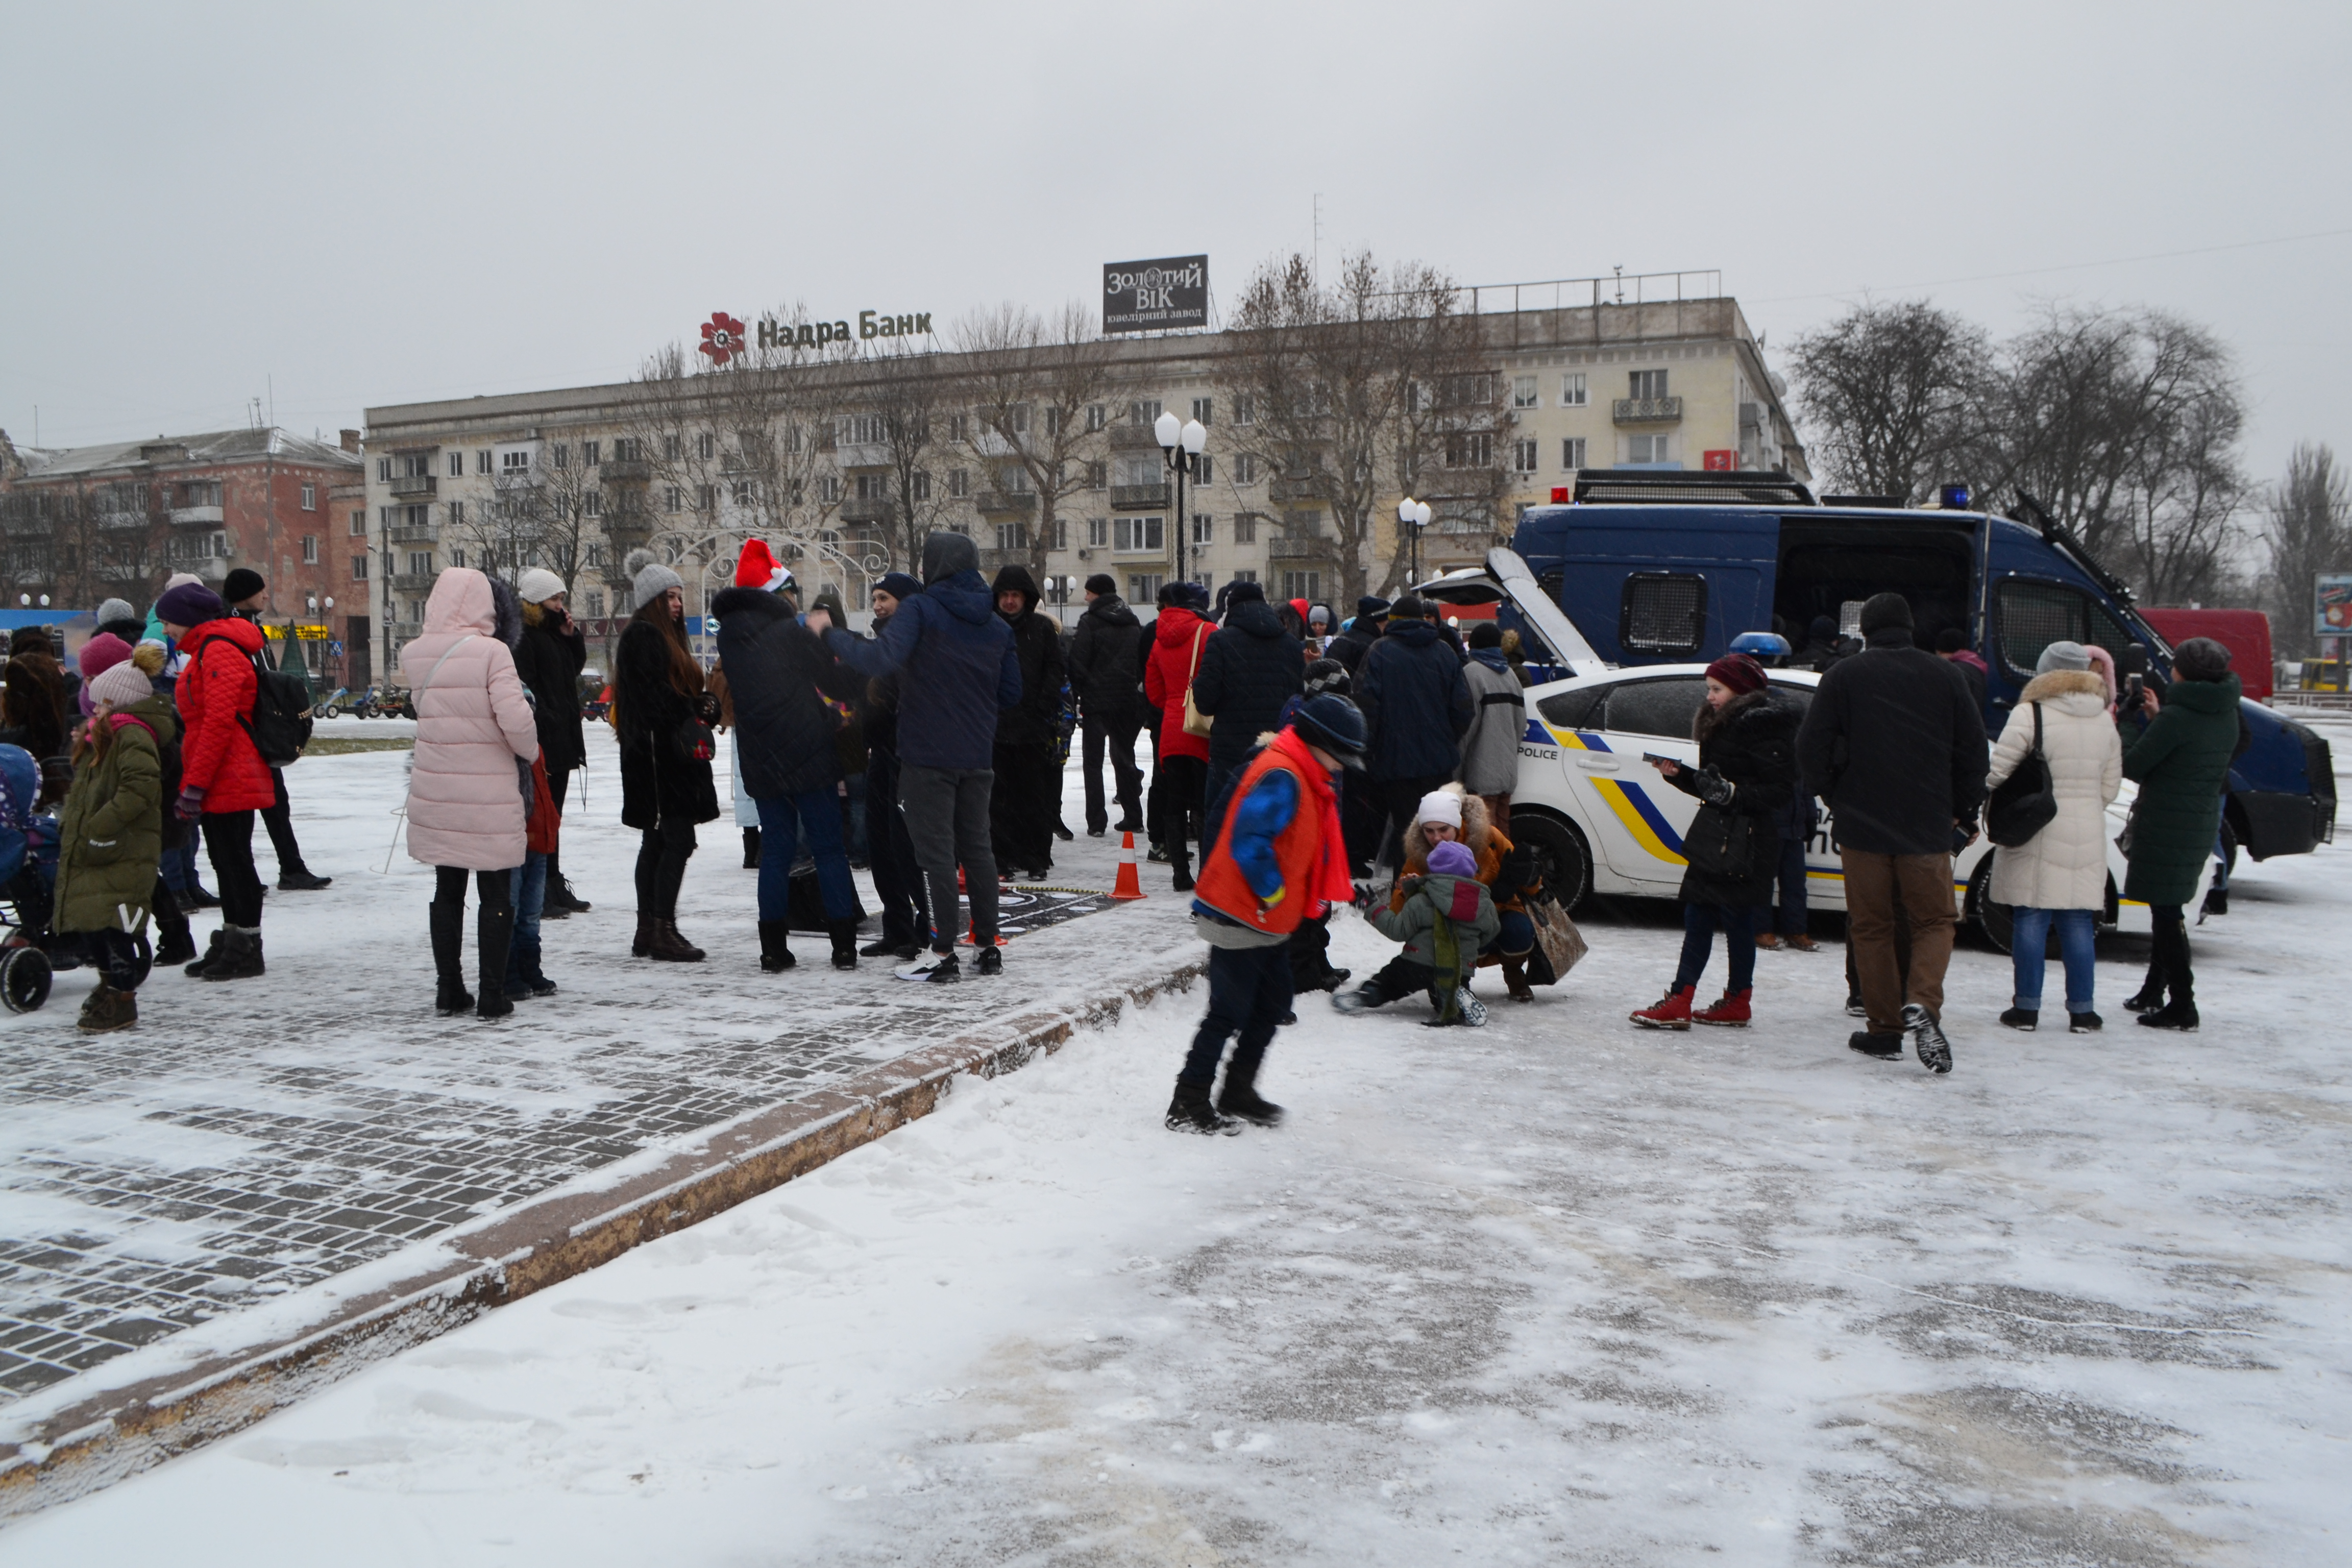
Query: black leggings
[662,855]
[2167,953]
[495,889]
[229,839]
[115,954]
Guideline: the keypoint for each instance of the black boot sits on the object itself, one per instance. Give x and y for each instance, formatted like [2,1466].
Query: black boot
[844,943]
[302,880]
[1191,1111]
[560,900]
[493,934]
[239,957]
[1240,1097]
[775,950]
[1182,865]
[449,994]
[177,944]
[2180,1014]
[750,849]
[212,951]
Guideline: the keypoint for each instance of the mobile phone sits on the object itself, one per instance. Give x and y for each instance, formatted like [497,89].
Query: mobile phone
[1662,757]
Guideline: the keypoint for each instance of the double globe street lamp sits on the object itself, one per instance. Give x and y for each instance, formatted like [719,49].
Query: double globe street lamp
[1179,444]
[1412,516]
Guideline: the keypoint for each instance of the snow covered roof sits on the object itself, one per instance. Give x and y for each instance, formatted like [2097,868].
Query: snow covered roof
[216,447]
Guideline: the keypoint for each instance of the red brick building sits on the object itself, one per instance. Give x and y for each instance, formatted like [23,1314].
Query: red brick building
[85,523]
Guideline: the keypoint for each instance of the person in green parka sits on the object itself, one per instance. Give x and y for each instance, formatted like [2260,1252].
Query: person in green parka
[2181,764]
[110,839]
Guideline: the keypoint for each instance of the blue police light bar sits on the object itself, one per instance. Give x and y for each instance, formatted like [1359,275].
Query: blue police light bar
[1953,498]
[1761,646]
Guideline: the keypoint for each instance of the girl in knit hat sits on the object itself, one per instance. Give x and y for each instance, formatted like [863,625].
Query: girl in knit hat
[662,710]
[110,840]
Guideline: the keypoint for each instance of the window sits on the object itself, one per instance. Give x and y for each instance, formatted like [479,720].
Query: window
[515,462]
[828,489]
[2035,614]
[1571,453]
[420,564]
[359,525]
[562,456]
[1246,468]
[1523,394]
[1578,709]
[1097,416]
[456,465]
[414,466]
[922,484]
[358,569]
[587,454]
[1646,449]
[1663,612]
[457,514]
[1470,449]
[873,487]
[414,516]
[1205,468]
[1647,383]
[595,603]
[309,550]
[384,469]
[673,497]
[1204,528]
[1307,586]
[1202,408]
[1244,528]
[706,498]
[706,445]
[1571,390]
[457,558]
[591,553]
[1012,536]
[1012,481]
[673,447]
[1131,534]
[1142,589]
[1143,411]
[1097,474]
[1246,410]
[1097,533]
[1660,708]
[959,482]
[1523,456]
[628,450]
[1244,576]
[1016,419]
[743,494]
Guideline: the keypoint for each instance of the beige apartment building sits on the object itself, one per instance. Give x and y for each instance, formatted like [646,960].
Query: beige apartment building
[1675,384]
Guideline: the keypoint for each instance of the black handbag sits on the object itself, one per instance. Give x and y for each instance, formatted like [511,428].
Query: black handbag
[1721,843]
[2023,804]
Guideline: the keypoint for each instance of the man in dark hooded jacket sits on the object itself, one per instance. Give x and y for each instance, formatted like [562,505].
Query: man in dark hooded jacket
[958,668]
[1105,655]
[1416,705]
[1350,645]
[1249,668]
[1026,802]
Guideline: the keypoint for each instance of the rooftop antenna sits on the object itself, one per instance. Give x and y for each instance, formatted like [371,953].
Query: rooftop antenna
[1620,270]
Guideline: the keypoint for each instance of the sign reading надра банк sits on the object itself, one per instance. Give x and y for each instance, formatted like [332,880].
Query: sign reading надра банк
[1149,295]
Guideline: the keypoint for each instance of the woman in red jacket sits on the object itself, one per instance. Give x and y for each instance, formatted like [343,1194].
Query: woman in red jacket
[1182,760]
[223,780]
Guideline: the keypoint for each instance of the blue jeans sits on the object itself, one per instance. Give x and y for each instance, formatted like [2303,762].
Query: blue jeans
[1699,922]
[2078,931]
[529,895]
[784,820]
[1517,936]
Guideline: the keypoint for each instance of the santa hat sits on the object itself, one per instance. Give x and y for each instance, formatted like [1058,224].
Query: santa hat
[756,567]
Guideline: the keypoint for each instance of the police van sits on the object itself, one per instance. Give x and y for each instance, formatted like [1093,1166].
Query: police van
[1631,583]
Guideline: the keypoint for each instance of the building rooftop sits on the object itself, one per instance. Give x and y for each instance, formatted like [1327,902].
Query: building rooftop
[246,446]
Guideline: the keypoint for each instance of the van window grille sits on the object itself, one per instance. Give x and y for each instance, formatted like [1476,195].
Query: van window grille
[1663,612]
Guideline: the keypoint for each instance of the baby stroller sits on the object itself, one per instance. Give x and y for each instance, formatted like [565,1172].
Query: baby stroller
[29,949]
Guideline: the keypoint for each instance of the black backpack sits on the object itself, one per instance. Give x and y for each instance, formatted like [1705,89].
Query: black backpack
[280,725]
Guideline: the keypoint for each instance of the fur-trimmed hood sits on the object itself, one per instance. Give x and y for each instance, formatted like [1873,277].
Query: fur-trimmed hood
[2077,691]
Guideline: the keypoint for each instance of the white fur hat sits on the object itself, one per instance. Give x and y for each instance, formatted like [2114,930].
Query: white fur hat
[1440,806]
[538,585]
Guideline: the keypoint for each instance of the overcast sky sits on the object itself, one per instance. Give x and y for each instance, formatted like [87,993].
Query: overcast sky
[339,206]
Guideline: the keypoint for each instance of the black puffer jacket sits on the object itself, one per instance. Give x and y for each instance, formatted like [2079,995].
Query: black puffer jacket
[1416,703]
[1350,645]
[1753,745]
[776,670]
[658,779]
[549,663]
[1034,719]
[1249,669]
[1105,657]
[1896,745]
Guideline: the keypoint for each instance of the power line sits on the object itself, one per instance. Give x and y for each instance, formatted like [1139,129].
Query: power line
[2067,266]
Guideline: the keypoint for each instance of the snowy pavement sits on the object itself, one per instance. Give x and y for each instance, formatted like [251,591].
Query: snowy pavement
[1553,1291]
[248,1145]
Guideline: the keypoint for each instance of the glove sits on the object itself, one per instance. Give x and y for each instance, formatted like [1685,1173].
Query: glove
[1518,870]
[1713,787]
[190,804]
[1367,896]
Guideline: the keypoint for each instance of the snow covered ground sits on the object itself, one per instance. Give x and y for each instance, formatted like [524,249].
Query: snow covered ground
[1554,1291]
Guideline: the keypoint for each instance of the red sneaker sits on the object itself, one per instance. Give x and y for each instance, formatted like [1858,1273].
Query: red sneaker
[1731,1011]
[1672,1011]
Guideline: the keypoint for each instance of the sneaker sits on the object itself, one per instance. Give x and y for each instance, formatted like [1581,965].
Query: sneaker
[1927,1041]
[2177,1015]
[1157,854]
[1355,1001]
[2021,1019]
[2084,1023]
[937,967]
[1474,1012]
[1672,1011]
[1886,1047]
[1730,1012]
[991,961]
[1854,1009]
[1039,873]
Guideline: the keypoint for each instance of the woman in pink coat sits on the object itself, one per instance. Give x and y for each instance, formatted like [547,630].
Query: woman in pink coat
[470,779]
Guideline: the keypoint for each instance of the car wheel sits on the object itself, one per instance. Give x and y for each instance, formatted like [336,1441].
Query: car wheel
[1562,857]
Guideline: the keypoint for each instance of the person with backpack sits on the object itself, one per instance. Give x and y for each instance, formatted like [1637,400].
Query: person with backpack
[111,841]
[243,590]
[2059,877]
[470,782]
[223,779]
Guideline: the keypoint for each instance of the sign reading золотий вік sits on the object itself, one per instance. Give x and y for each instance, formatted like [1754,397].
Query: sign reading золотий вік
[1146,296]
[776,334]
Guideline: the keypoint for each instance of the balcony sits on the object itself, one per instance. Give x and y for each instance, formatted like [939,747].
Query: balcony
[1021,501]
[1127,437]
[1646,410]
[405,631]
[1137,498]
[1298,550]
[626,471]
[413,534]
[861,455]
[411,582]
[1305,488]
[196,517]
[123,520]
[411,487]
[998,560]
[869,509]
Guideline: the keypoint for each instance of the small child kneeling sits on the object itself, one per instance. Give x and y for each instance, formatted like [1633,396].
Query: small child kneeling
[1446,917]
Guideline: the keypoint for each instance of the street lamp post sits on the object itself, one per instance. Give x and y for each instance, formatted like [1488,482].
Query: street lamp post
[1179,444]
[1414,516]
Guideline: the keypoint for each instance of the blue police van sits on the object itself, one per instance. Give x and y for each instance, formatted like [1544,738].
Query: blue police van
[1654,567]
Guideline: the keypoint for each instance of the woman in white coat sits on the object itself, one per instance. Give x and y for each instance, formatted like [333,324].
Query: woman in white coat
[2059,877]
[471,777]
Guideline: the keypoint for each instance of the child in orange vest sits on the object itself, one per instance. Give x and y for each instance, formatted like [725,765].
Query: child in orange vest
[1278,859]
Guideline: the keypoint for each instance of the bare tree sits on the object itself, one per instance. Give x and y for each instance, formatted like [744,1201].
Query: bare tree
[2307,523]
[1893,396]
[901,426]
[1362,391]
[2182,541]
[1032,384]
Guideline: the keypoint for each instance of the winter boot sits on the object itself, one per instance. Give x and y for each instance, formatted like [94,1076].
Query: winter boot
[2150,997]
[750,849]
[2180,1014]
[1672,1011]
[935,968]
[775,949]
[1886,1047]
[2022,1019]
[1514,977]
[1361,998]
[450,994]
[559,896]
[493,935]
[989,962]
[177,945]
[212,951]
[844,943]
[2217,900]
[240,955]
[108,1010]
[1182,865]
[670,947]
[2084,1023]
[1767,941]
[1731,1011]
[1927,1041]
[642,943]
[881,948]
[198,898]
[1240,1097]
[525,979]
[1191,1111]
[302,880]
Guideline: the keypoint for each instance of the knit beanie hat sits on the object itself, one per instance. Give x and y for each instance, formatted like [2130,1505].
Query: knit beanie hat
[1241,590]
[2201,658]
[1371,607]
[122,683]
[899,586]
[240,584]
[649,579]
[189,604]
[1327,675]
[1738,672]
[1453,859]
[101,654]
[538,585]
[1102,583]
[111,610]
[1883,610]
[1440,806]
[758,567]
[2063,655]
[1321,612]
[1485,634]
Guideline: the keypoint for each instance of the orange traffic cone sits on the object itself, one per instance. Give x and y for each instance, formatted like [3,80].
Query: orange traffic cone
[1129,885]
